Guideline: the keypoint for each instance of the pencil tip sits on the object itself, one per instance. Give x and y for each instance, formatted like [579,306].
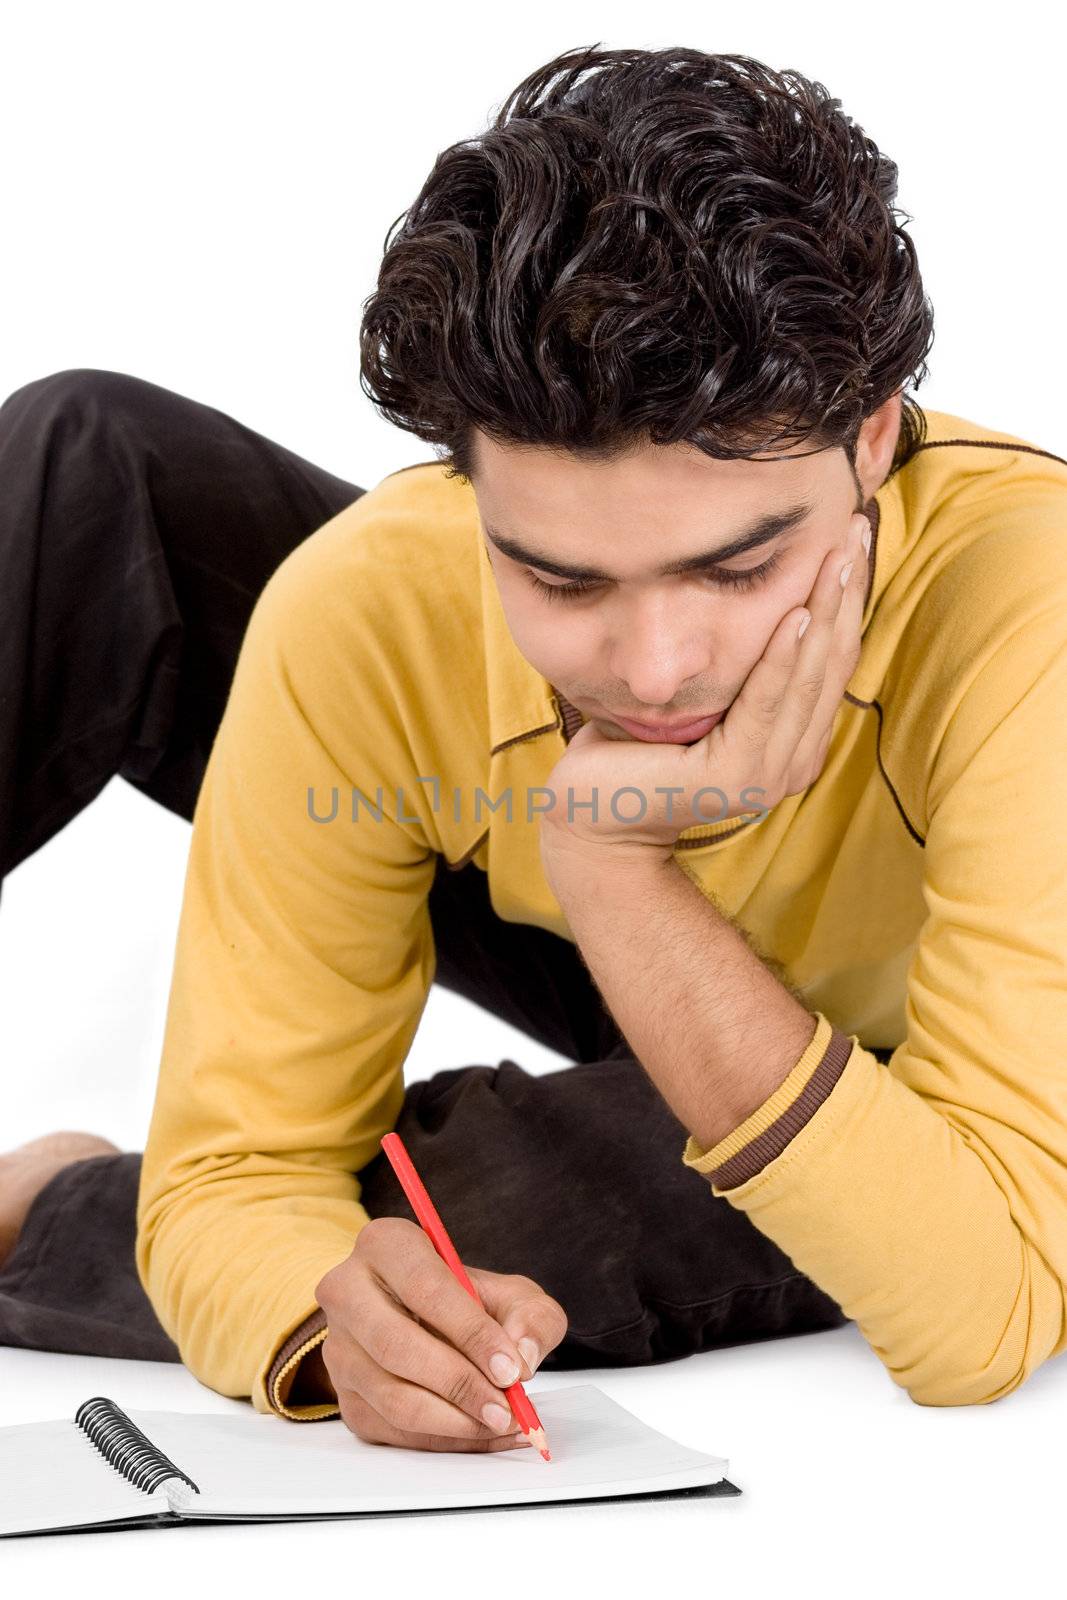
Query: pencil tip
[537,1436]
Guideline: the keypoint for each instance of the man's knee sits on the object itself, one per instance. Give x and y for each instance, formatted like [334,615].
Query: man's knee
[81,391]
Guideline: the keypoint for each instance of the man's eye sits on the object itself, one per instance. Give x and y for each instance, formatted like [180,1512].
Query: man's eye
[743,580]
[721,576]
[551,590]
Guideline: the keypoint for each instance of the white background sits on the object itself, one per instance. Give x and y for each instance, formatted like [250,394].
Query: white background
[198,194]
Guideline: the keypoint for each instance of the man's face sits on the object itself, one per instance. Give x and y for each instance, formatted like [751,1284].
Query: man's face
[637,643]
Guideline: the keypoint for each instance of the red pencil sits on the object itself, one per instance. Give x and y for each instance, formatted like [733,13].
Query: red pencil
[521,1405]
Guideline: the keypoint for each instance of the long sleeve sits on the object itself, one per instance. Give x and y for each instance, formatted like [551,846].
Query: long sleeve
[304,957]
[928,1196]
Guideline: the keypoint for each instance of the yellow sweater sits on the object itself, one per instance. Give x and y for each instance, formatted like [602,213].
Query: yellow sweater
[915,895]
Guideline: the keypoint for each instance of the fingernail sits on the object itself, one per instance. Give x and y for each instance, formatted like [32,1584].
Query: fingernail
[867,540]
[496,1416]
[530,1354]
[803,625]
[504,1369]
[846,573]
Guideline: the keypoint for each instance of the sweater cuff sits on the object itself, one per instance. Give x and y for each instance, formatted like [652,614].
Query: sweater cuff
[311,1332]
[765,1133]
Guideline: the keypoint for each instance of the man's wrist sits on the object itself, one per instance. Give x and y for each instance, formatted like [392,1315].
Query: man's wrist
[575,868]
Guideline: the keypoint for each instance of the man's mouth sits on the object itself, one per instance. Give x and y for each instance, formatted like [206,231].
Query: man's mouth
[669,732]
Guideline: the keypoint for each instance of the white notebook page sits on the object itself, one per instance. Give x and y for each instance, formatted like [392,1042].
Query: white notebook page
[52,1477]
[259,1465]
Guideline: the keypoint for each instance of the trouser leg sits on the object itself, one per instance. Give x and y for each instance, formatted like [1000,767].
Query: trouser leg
[137,528]
[71,1283]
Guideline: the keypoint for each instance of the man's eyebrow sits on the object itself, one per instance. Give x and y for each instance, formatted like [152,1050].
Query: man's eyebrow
[760,532]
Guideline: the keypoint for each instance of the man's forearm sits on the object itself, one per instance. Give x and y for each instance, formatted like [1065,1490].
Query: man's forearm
[713,1027]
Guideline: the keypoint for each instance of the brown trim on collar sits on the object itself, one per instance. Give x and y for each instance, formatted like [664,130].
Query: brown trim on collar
[572,717]
[520,738]
[703,839]
[990,444]
[873,512]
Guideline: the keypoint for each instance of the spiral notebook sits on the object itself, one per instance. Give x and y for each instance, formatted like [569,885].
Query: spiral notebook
[110,1468]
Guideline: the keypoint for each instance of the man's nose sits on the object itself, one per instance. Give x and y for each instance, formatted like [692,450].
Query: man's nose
[657,654]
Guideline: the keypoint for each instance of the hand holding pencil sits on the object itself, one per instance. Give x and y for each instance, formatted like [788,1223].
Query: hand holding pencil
[408,1358]
[521,1405]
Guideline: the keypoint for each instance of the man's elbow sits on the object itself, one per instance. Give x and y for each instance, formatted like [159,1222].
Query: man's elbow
[955,1384]
[987,1347]
[962,1390]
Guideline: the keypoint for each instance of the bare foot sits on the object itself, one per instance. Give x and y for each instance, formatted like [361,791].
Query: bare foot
[25,1170]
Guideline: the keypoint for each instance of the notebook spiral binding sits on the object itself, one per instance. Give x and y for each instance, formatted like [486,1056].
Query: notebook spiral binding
[121,1442]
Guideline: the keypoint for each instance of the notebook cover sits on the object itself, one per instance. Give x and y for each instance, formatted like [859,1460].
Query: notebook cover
[167,1519]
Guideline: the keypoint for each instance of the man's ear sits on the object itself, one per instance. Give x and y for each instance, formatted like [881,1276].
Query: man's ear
[876,443]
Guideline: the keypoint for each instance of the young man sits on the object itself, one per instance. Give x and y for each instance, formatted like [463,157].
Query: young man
[535,719]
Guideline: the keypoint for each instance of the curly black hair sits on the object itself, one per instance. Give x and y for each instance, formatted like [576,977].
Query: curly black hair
[648,247]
